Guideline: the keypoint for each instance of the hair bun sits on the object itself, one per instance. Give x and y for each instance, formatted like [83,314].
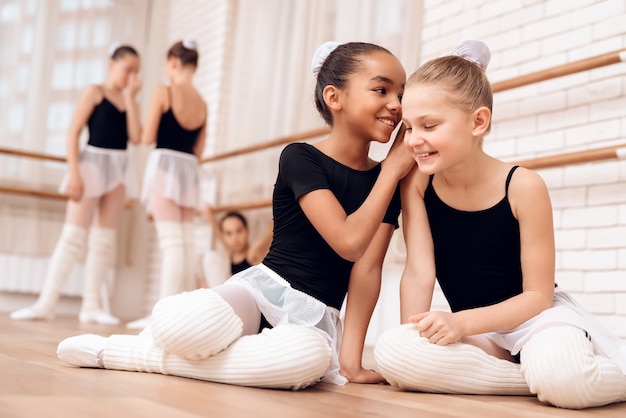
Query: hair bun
[113,47]
[321,53]
[190,43]
[474,51]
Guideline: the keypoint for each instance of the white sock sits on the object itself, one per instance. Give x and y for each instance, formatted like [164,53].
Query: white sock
[82,350]
[285,357]
[409,361]
[194,325]
[62,261]
[99,258]
[561,368]
[173,261]
[191,256]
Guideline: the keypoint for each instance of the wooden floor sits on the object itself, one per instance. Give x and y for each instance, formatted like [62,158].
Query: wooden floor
[34,383]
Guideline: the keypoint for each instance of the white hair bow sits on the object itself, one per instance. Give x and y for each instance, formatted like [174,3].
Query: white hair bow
[322,52]
[475,51]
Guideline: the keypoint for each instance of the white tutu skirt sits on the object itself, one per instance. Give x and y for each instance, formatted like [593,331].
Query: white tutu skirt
[102,170]
[173,174]
[282,304]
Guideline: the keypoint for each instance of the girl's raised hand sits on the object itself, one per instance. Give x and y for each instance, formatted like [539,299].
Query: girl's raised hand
[132,85]
[398,158]
[440,328]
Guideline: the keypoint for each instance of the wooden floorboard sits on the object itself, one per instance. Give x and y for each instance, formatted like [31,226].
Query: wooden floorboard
[34,383]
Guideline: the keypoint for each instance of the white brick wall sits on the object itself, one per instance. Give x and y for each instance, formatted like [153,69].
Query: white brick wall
[572,113]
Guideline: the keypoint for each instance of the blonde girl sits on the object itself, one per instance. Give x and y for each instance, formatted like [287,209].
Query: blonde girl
[483,228]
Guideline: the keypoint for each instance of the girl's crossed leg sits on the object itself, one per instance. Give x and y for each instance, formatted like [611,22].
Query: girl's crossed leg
[210,334]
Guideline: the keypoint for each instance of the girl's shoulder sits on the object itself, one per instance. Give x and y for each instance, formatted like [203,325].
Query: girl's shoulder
[93,93]
[527,191]
[523,179]
[415,181]
[298,148]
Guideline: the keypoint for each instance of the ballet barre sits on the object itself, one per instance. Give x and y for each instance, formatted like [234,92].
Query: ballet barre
[25,191]
[29,191]
[569,158]
[557,160]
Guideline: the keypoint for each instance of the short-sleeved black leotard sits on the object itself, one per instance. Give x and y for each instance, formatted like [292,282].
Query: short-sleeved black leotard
[172,136]
[477,254]
[298,252]
[107,126]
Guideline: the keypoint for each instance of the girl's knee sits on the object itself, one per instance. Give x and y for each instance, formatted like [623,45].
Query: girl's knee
[305,355]
[393,345]
[194,325]
[561,368]
[397,349]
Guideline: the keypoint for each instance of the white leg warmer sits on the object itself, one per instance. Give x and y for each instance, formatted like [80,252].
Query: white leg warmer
[561,368]
[191,257]
[409,361]
[99,260]
[285,357]
[173,260]
[194,325]
[63,258]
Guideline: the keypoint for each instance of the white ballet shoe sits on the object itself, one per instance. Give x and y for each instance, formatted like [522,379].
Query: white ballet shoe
[30,314]
[139,323]
[82,350]
[98,317]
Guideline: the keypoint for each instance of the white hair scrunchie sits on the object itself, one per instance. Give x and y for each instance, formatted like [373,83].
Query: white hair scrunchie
[474,51]
[322,52]
[190,43]
[113,47]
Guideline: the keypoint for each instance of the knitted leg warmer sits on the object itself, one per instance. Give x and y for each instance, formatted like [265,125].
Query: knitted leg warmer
[285,357]
[409,361]
[63,258]
[99,257]
[561,368]
[173,261]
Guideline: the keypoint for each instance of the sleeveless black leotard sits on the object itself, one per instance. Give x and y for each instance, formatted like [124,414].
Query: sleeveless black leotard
[477,254]
[172,136]
[107,126]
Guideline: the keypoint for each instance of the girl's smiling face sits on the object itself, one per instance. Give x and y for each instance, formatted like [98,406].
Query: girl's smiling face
[370,101]
[439,134]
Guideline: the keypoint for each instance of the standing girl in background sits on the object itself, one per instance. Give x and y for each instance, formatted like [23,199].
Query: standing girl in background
[334,213]
[176,121]
[483,228]
[98,182]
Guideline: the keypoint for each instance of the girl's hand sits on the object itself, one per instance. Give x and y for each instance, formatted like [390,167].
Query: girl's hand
[362,376]
[441,328]
[75,187]
[132,85]
[399,159]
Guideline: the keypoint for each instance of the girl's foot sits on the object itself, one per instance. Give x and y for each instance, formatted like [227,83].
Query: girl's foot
[30,314]
[139,323]
[98,317]
[82,350]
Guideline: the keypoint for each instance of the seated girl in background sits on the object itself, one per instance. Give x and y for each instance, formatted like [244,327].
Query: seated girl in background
[233,233]
[99,180]
[334,212]
[483,228]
